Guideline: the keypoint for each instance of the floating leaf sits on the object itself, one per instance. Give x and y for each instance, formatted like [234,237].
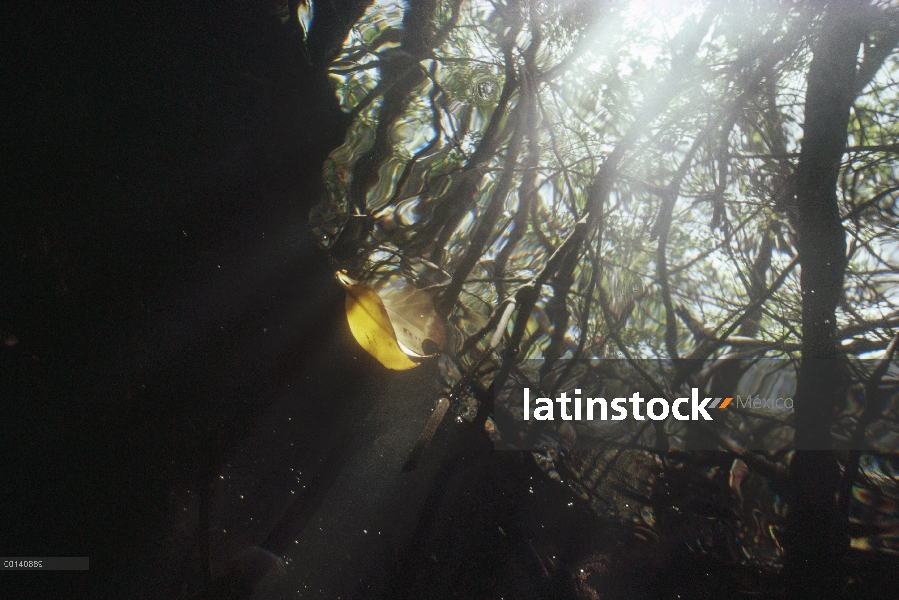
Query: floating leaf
[371,326]
[414,319]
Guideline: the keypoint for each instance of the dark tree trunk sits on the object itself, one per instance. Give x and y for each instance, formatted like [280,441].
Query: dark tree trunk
[816,537]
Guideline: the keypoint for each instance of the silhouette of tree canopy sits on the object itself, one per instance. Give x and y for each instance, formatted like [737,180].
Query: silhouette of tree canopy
[638,180]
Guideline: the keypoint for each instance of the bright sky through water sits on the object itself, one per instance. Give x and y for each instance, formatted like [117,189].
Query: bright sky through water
[586,107]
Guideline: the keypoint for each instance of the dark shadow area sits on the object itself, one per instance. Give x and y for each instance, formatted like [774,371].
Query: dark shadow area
[158,282]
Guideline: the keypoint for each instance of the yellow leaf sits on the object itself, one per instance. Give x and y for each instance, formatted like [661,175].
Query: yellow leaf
[371,326]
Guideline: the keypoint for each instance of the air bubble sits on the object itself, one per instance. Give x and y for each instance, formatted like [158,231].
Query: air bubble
[485,89]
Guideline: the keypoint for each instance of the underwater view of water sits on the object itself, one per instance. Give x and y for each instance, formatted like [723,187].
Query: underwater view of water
[309,299]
